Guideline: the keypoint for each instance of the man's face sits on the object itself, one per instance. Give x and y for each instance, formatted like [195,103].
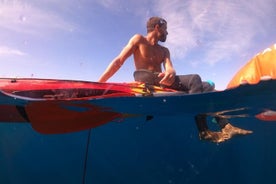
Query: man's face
[163,33]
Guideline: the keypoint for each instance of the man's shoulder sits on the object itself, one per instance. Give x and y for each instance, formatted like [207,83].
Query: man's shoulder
[163,47]
[138,37]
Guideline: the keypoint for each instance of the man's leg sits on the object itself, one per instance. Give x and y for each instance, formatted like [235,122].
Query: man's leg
[229,130]
[205,133]
[189,83]
[145,76]
[208,86]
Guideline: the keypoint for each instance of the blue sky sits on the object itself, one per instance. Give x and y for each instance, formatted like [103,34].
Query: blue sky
[77,39]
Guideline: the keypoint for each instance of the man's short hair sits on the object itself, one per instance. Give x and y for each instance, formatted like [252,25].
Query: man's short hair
[153,21]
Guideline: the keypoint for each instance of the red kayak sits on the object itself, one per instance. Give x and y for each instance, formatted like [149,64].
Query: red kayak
[60,106]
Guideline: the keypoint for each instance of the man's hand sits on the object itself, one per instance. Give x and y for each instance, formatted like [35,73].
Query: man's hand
[167,78]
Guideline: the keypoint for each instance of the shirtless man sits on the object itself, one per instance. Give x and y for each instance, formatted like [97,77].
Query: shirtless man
[148,54]
[149,57]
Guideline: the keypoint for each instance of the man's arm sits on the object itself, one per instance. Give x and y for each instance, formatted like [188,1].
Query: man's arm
[117,62]
[168,76]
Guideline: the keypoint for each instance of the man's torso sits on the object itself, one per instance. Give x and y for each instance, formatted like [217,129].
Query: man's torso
[149,57]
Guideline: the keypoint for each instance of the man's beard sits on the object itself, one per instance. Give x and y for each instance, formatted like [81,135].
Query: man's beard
[163,38]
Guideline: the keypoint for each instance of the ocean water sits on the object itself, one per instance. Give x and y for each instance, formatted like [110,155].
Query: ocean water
[164,150]
[168,150]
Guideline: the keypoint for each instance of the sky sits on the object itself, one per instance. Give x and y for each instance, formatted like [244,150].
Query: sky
[77,39]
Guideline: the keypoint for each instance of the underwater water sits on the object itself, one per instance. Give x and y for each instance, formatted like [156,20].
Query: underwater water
[162,150]
[168,150]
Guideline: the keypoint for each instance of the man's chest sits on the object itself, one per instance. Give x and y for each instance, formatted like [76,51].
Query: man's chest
[152,53]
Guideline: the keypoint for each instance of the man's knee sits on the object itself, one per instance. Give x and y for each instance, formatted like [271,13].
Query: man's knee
[195,84]
[196,79]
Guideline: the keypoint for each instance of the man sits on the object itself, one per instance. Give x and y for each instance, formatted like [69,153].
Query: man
[149,57]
